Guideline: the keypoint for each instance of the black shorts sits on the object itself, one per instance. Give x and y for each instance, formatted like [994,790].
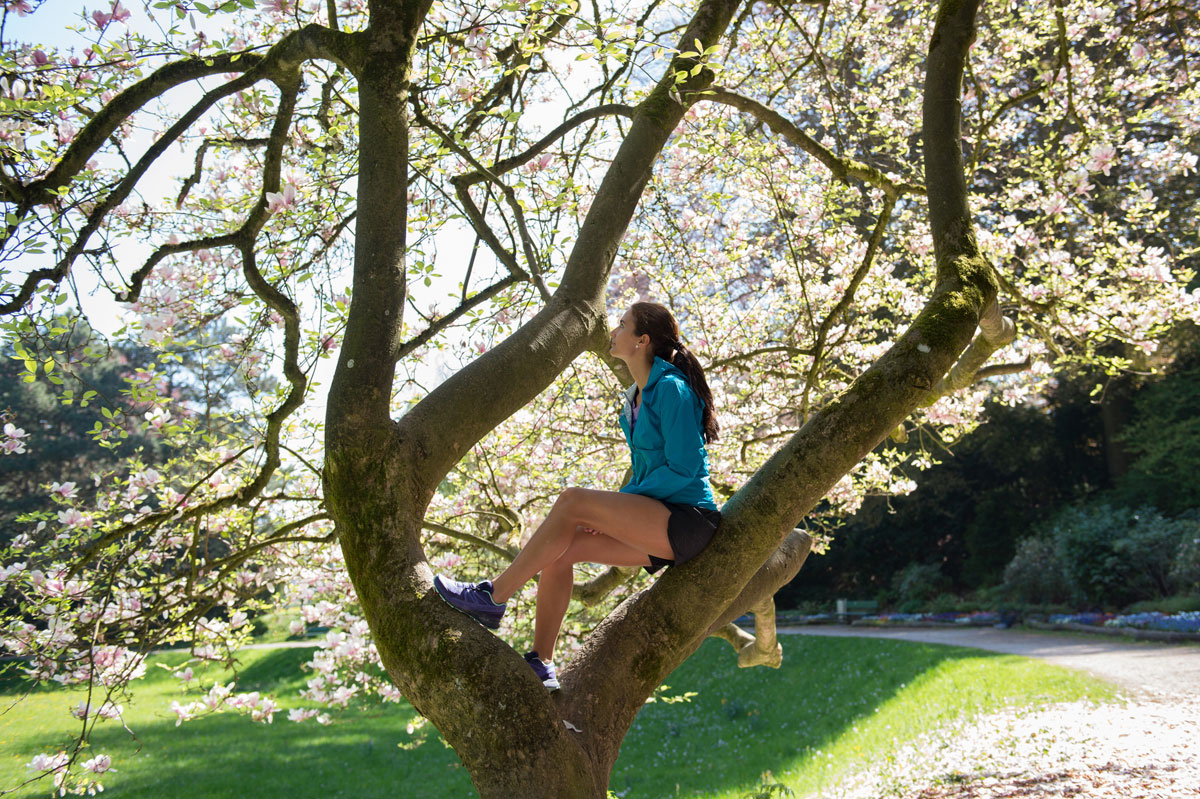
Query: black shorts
[689,529]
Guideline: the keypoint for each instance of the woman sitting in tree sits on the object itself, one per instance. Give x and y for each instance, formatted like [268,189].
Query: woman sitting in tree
[664,515]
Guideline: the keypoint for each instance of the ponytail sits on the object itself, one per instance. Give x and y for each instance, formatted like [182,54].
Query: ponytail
[657,322]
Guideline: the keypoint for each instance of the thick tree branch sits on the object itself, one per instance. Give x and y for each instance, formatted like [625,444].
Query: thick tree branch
[105,123]
[381,475]
[949,216]
[552,338]
[995,332]
[760,649]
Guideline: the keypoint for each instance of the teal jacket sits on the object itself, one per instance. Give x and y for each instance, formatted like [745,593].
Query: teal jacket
[667,443]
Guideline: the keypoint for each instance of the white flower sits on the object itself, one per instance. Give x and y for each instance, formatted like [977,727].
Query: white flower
[277,201]
[64,490]
[45,762]
[98,764]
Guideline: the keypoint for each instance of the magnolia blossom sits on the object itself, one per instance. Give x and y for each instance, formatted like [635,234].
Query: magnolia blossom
[14,439]
[72,517]
[277,201]
[64,490]
[1102,158]
[157,418]
[183,712]
[108,710]
[52,763]
[117,12]
[98,764]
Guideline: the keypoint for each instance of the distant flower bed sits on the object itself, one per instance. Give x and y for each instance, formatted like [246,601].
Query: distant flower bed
[1093,619]
[1187,622]
[977,618]
[1172,622]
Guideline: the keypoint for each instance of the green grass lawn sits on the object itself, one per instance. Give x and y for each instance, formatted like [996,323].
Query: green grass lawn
[836,704]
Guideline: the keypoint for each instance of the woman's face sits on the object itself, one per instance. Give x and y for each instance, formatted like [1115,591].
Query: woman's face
[623,343]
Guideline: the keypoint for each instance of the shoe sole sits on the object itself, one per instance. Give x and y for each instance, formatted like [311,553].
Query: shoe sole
[551,684]
[486,622]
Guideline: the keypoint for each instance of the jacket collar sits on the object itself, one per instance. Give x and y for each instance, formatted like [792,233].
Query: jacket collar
[657,370]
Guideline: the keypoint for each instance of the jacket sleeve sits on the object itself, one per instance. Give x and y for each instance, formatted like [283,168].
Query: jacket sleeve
[683,443]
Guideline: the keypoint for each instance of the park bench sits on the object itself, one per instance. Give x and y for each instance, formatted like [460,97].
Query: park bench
[849,609]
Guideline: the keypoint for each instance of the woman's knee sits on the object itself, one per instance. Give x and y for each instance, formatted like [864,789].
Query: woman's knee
[571,501]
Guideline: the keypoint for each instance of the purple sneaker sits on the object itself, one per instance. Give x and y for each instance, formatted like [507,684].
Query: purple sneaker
[544,671]
[473,599]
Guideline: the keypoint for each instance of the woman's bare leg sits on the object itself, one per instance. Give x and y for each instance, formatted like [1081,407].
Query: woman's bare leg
[558,577]
[638,522]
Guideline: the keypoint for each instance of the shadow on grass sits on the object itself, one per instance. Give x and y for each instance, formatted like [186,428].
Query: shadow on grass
[277,672]
[743,723]
[230,757]
[832,701]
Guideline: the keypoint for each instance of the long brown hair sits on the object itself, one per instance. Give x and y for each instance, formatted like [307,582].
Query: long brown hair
[656,321]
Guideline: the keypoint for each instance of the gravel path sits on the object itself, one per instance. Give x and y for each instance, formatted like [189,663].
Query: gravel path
[1144,669]
[1145,747]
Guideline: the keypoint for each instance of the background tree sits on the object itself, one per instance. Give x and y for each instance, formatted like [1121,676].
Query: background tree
[791,176]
